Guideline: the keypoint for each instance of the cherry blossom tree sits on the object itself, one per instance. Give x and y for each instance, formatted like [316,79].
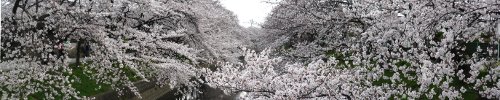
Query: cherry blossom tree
[221,32]
[378,49]
[265,77]
[158,40]
[324,49]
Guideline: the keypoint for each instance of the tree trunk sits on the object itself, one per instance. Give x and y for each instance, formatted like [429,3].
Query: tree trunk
[78,44]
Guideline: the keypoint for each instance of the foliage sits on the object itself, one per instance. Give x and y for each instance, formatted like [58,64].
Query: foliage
[402,49]
[130,40]
[324,49]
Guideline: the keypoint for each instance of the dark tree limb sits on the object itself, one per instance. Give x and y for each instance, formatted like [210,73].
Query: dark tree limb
[78,44]
[16,5]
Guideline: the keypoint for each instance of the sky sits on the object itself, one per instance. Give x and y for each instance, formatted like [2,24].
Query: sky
[249,10]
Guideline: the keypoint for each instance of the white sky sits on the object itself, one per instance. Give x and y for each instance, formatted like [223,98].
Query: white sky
[249,10]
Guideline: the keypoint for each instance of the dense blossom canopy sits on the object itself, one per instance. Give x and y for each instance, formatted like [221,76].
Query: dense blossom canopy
[376,49]
[154,40]
[307,49]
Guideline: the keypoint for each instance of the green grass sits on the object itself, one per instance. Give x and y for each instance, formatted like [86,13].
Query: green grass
[438,36]
[381,81]
[86,85]
[434,88]
[40,95]
[470,94]
[456,84]
[83,81]
[130,74]
[412,84]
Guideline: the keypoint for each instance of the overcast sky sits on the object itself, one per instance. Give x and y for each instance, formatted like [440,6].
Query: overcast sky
[249,10]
